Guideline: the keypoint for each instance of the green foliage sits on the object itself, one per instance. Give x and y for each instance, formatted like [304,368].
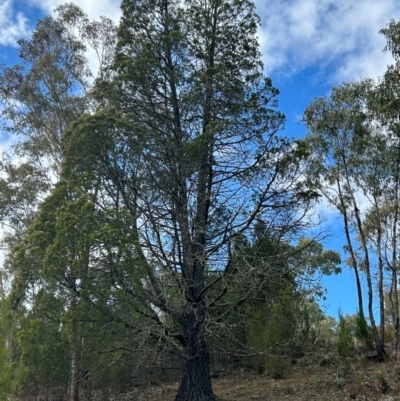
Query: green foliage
[40,96]
[276,366]
[177,201]
[353,153]
[271,327]
[282,314]
[6,363]
[381,378]
[345,343]
[316,325]
[325,329]
[389,334]
[40,345]
[362,330]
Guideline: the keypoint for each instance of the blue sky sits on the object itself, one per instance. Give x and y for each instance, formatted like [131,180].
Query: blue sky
[308,46]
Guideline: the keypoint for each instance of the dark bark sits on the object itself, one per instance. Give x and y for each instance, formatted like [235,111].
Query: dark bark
[196,381]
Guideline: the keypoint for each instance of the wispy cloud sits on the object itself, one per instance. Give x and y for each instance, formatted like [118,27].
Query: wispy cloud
[13,25]
[94,9]
[340,34]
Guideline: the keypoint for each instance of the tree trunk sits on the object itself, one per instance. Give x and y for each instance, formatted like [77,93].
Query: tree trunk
[394,300]
[354,264]
[196,381]
[75,355]
[395,296]
[380,284]
[380,346]
[74,381]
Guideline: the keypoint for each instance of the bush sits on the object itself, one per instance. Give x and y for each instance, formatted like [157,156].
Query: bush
[271,327]
[381,380]
[345,344]
[363,331]
[258,363]
[276,366]
[389,334]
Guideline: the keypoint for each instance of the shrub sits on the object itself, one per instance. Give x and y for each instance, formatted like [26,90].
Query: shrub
[276,366]
[381,380]
[345,344]
[389,334]
[362,330]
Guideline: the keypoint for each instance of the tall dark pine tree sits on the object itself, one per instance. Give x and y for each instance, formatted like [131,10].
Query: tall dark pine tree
[187,153]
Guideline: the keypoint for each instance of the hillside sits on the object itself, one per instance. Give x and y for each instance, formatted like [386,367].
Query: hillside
[316,375]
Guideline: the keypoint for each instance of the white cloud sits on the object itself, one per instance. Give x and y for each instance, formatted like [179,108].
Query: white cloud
[13,25]
[6,141]
[94,9]
[297,34]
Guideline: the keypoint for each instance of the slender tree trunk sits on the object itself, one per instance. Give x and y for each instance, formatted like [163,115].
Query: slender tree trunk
[77,329]
[395,296]
[380,346]
[380,284]
[75,357]
[351,251]
[74,380]
[394,301]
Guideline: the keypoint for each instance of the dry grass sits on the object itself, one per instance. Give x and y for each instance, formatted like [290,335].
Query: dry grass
[305,381]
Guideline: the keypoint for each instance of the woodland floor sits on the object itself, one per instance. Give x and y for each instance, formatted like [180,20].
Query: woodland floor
[316,375]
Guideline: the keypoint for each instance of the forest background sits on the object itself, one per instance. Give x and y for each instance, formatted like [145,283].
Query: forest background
[231,259]
[307,47]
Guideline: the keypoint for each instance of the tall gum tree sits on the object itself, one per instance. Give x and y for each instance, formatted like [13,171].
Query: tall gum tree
[40,96]
[354,165]
[355,134]
[385,107]
[50,87]
[187,150]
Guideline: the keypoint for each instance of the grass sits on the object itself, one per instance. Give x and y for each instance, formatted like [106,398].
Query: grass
[303,381]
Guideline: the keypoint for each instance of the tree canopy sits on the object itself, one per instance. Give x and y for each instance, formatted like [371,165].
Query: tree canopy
[155,213]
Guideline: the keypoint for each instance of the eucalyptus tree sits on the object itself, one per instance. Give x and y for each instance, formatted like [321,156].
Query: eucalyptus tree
[354,165]
[329,122]
[356,134]
[40,97]
[49,88]
[189,159]
[385,106]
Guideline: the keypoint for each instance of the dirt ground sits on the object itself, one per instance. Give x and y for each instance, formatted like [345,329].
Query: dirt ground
[316,375]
